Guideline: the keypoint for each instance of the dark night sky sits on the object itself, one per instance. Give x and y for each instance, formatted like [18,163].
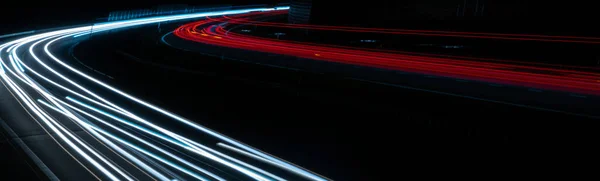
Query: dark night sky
[27,15]
[519,16]
[575,15]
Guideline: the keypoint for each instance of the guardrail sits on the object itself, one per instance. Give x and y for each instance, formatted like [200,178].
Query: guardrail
[163,10]
[177,9]
[141,13]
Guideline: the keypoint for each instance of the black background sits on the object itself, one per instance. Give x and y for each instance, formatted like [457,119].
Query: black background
[514,16]
[30,15]
[564,17]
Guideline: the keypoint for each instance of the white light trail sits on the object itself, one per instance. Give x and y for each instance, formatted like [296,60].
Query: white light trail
[145,142]
[58,125]
[70,86]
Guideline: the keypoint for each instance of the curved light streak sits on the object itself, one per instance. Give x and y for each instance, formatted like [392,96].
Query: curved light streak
[543,76]
[57,101]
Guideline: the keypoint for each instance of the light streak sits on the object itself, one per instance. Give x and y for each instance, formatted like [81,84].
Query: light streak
[126,154]
[543,76]
[45,118]
[181,144]
[85,150]
[62,128]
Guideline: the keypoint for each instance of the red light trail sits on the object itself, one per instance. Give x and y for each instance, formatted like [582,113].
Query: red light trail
[545,76]
[476,35]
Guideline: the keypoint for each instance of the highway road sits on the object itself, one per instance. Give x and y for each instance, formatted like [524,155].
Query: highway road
[543,76]
[77,123]
[79,127]
[563,88]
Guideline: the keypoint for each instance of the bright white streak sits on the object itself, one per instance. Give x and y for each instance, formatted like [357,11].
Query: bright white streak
[133,146]
[151,155]
[109,26]
[185,121]
[247,154]
[143,165]
[188,147]
[37,111]
[143,141]
[126,154]
[197,151]
[45,94]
